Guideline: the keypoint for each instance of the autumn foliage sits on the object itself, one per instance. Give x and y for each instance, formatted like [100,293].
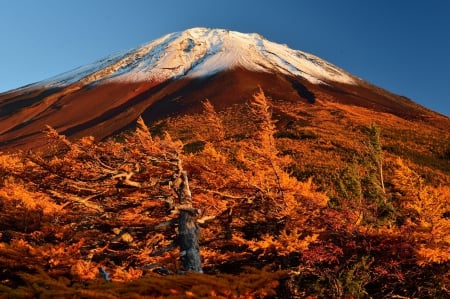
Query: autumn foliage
[88,219]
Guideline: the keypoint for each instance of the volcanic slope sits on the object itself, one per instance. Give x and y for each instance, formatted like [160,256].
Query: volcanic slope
[173,74]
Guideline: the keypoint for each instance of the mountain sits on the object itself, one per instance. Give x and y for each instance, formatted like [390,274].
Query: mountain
[306,181]
[173,74]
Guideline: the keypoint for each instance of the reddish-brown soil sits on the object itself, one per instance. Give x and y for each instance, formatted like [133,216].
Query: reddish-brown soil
[104,109]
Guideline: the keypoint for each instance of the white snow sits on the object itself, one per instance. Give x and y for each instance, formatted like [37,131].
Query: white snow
[200,52]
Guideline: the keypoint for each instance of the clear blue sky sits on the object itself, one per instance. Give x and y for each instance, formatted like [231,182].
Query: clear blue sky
[402,46]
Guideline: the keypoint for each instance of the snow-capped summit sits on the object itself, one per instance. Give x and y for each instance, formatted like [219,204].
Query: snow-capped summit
[200,51]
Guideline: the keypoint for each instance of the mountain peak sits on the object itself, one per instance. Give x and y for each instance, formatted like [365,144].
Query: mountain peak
[171,75]
[199,52]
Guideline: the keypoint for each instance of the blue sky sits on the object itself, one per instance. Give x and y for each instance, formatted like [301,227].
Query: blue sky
[402,46]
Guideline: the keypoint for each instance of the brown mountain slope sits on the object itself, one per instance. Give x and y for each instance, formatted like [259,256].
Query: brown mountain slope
[103,109]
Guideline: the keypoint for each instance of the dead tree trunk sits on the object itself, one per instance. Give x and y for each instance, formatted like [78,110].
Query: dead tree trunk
[189,230]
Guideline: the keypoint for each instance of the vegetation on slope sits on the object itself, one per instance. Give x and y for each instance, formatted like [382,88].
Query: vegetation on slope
[283,211]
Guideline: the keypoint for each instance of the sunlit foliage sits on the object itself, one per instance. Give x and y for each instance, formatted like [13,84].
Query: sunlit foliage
[283,214]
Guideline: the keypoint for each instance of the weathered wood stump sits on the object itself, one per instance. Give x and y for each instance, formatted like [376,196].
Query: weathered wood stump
[189,231]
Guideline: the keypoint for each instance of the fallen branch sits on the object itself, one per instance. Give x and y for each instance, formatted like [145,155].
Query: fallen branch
[79,200]
[222,194]
[125,179]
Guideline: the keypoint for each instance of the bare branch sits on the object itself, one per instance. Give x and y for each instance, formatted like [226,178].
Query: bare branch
[83,201]
[125,179]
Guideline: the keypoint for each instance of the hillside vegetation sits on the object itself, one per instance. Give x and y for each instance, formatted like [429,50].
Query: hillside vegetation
[290,201]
